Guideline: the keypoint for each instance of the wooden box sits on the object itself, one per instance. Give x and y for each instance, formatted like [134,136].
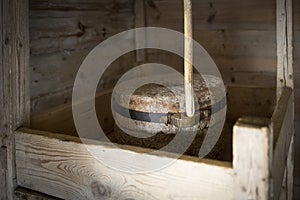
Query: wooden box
[42,156]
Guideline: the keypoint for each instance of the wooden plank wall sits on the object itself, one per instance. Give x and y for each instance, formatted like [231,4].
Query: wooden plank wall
[297,96]
[62,33]
[14,86]
[239,35]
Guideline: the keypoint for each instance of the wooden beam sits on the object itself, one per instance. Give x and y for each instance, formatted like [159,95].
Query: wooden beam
[290,171]
[283,133]
[61,166]
[22,193]
[252,158]
[14,82]
[284,45]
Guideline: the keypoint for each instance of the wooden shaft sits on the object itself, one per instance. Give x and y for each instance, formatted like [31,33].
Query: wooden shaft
[188,59]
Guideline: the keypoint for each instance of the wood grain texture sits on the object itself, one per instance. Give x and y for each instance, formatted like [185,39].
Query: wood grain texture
[284,34]
[60,166]
[214,15]
[290,170]
[283,131]
[14,82]
[22,193]
[252,153]
[62,34]
[229,31]
[60,119]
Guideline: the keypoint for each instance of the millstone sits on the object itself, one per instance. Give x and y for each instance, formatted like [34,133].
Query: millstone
[159,108]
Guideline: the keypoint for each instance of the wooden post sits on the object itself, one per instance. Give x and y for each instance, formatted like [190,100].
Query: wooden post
[284,45]
[14,85]
[188,59]
[285,77]
[252,158]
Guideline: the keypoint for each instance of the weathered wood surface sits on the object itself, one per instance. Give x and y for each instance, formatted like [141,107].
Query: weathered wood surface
[62,34]
[284,32]
[297,58]
[252,158]
[60,166]
[260,102]
[14,86]
[25,194]
[60,119]
[297,105]
[283,132]
[140,21]
[290,170]
[225,14]
[239,35]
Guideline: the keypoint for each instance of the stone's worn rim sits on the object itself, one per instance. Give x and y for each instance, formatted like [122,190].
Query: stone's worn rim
[160,99]
[163,117]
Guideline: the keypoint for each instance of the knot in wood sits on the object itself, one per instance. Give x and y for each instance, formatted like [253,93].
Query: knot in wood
[99,190]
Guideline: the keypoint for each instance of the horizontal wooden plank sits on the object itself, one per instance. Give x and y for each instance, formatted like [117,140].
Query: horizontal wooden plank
[62,33]
[235,70]
[244,78]
[83,26]
[227,62]
[22,193]
[238,43]
[222,14]
[283,130]
[60,166]
[51,73]
[79,5]
[259,102]
[226,43]
[60,119]
[80,31]
[50,100]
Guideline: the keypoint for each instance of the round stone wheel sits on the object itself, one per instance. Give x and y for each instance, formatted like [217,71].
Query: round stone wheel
[159,108]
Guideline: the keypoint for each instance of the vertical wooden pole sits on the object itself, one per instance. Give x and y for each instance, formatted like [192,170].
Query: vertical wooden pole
[285,77]
[252,158]
[188,59]
[14,84]
[284,45]
[290,171]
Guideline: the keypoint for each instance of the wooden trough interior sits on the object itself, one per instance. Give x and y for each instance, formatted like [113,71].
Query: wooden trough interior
[260,102]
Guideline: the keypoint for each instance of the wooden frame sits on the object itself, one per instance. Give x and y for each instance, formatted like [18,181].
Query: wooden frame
[251,175]
[44,161]
[14,86]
